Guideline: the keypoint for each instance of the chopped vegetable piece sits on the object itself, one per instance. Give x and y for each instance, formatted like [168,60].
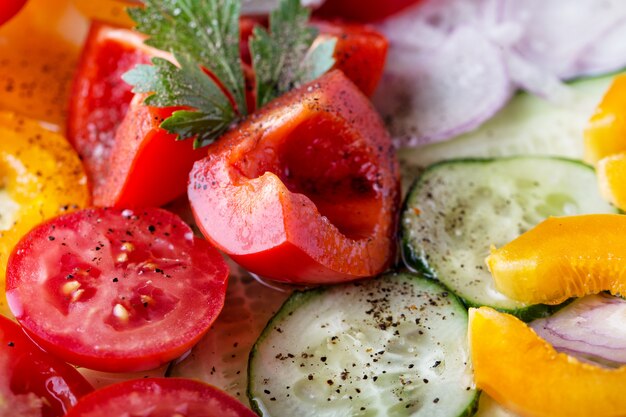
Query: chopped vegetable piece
[363,10]
[507,356]
[563,257]
[612,179]
[360,52]
[9,8]
[146,166]
[392,346]
[109,11]
[605,133]
[306,190]
[40,177]
[457,208]
[33,382]
[114,290]
[156,397]
[99,98]
[589,328]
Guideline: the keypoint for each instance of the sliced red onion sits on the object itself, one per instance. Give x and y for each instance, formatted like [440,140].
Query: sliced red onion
[590,328]
[558,32]
[608,54]
[429,97]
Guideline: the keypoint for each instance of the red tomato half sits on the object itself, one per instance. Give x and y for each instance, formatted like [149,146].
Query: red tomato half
[32,382]
[115,291]
[305,191]
[363,10]
[9,8]
[159,397]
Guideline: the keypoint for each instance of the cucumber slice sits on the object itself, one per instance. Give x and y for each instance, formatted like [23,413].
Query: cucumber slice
[221,356]
[526,126]
[394,346]
[457,209]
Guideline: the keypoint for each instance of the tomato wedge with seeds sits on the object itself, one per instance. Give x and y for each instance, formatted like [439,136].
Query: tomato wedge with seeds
[306,190]
[32,382]
[160,397]
[114,290]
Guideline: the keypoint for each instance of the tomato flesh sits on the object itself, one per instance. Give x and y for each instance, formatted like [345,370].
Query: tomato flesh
[360,52]
[32,382]
[305,191]
[116,291]
[160,397]
[100,98]
[147,166]
[363,10]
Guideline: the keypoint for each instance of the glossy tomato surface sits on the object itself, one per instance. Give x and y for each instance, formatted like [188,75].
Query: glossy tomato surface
[100,98]
[115,290]
[360,52]
[32,382]
[9,8]
[147,166]
[305,191]
[160,397]
[363,10]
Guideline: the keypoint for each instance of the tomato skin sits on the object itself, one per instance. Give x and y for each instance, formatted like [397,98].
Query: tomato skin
[162,396]
[363,10]
[100,99]
[28,369]
[9,8]
[116,291]
[305,191]
[147,166]
[360,52]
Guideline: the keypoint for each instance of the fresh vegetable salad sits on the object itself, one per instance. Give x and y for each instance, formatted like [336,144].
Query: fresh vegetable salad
[312,208]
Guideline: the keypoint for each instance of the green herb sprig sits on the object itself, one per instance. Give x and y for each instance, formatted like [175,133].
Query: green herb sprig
[203,36]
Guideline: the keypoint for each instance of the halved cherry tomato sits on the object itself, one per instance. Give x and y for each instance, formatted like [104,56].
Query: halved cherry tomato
[157,397]
[33,382]
[116,291]
[306,190]
[41,176]
[363,10]
[9,8]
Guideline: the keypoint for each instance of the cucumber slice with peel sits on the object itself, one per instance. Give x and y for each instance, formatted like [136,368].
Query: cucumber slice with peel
[395,346]
[457,209]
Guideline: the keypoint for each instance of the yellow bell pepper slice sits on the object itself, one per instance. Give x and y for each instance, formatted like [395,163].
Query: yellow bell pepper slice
[563,257]
[41,177]
[605,133]
[109,11]
[526,375]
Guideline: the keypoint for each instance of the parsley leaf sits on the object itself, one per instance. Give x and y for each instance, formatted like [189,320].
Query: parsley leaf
[187,86]
[280,56]
[207,31]
[203,36]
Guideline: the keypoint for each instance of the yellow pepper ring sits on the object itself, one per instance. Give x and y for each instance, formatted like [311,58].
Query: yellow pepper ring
[41,176]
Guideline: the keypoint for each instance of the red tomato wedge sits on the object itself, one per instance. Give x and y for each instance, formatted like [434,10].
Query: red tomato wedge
[305,191]
[160,397]
[100,98]
[9,8]
[114,290]
[363,10]
[147,166]
[32,382]
[360,52]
